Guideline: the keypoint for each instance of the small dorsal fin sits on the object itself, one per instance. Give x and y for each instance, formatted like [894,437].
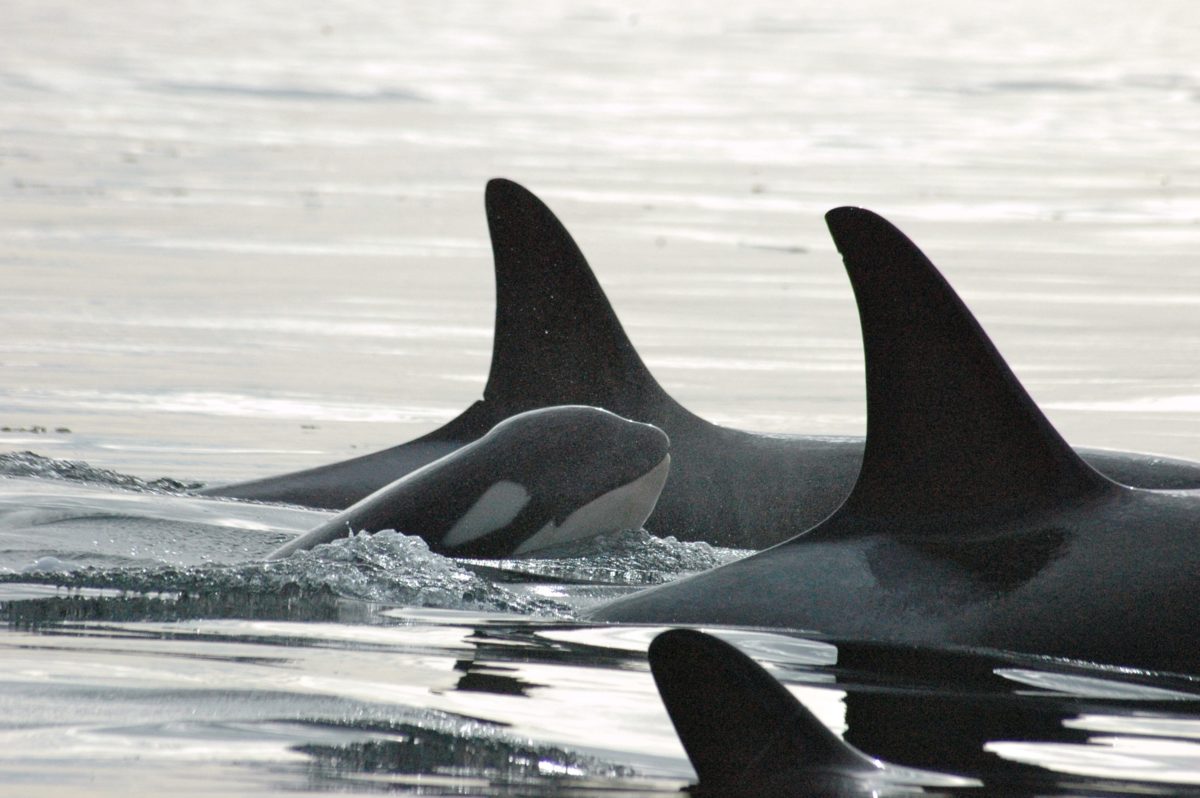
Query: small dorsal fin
[949,427]
[734,719]
[557,340]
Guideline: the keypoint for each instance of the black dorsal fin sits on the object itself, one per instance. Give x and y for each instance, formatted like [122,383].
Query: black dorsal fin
[734,719]
[950,429]
[557,340]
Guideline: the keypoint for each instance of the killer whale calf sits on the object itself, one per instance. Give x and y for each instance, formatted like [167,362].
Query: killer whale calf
[558,342]
[538,479]
[745,734]
[972,522]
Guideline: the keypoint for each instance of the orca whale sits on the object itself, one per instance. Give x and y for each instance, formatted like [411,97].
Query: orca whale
[557,342]
[972,522]
[541,478]
[745,734]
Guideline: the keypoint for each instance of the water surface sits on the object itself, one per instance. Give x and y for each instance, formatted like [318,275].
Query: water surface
[241,239]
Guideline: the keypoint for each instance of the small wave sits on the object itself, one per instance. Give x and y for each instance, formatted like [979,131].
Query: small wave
[299,93]
[385,568]
[471,747]
[633,557]
[48,564]
[29,464]
[305,408]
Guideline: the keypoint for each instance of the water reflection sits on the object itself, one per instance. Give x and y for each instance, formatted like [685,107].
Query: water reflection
[504,705]
[326,661]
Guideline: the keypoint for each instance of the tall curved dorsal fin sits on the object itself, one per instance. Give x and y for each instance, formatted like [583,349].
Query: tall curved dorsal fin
[557,340]
[734,719]
[950,429]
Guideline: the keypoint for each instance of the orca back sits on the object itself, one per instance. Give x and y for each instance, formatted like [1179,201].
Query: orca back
[950,429]
[738,724]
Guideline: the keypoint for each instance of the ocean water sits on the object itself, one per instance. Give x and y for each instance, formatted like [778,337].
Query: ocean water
[239,239]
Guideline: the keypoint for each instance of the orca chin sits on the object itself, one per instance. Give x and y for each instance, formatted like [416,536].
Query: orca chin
[624,507]
[541,478]
[971,522]
[558,342]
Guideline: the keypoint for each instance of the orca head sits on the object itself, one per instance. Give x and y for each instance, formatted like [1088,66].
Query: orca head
[554,475]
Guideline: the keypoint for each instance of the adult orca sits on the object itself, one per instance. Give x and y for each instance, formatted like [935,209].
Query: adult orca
[745,734]
[558,342]
[972,522]
[541,478]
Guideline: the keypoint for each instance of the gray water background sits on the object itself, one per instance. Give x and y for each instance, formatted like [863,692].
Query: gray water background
[240,238]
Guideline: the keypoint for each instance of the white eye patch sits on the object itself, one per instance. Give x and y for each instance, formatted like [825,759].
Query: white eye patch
[498,506]
[625,507]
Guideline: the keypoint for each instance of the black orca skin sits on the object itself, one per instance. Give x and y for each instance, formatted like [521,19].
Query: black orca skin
[538,479]
[558,342]
[746,735]
[972,522]
[739,726]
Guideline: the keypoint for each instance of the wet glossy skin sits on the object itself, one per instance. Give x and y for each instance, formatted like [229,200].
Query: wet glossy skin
[972,522]
[558,342]
[518,487]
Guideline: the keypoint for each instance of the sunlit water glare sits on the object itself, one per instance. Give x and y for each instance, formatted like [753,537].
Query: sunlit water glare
[240,239]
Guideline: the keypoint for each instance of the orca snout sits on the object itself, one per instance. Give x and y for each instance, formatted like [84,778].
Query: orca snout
[650,439]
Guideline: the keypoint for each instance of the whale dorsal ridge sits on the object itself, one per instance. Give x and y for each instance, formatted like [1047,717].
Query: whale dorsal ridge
[950,429]
[557,339]
[734,719]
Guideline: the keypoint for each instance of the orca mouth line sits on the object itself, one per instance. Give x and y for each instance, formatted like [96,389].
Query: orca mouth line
[624,507]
